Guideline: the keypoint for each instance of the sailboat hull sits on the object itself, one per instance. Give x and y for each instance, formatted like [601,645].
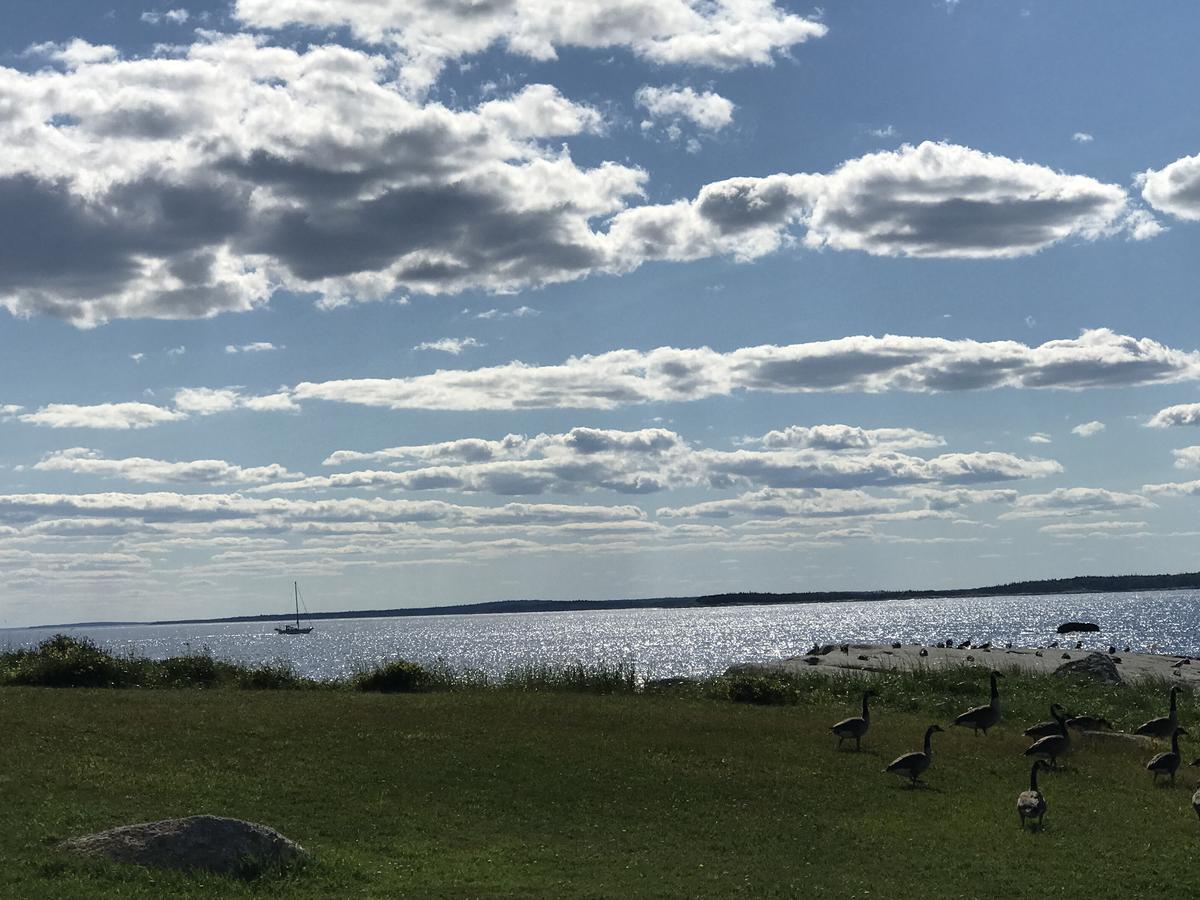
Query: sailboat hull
[292,629]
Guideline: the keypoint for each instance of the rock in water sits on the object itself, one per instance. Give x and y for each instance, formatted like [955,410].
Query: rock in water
[1068,627]
[1095,666]
[206,843]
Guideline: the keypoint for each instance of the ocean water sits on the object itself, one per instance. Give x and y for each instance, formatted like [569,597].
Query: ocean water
[665,642]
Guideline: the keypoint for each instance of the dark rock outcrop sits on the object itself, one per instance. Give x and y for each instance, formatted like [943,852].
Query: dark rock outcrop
[194,843]
[1094,666]
[1068,627]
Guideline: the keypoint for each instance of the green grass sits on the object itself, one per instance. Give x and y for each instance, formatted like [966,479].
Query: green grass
[507,791]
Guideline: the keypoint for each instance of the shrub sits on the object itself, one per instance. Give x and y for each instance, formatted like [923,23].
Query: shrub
[195,670]
[270,677]
[65,661]
[763,689]
[398,676]
[594,678]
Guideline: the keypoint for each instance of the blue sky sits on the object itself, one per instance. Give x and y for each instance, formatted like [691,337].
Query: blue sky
[423,303]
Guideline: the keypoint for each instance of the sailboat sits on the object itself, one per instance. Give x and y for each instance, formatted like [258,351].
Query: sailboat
[289,628]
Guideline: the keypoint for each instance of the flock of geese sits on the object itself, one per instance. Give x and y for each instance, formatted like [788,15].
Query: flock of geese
[1052,740]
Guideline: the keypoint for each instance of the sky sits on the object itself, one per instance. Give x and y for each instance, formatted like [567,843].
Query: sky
[425,302]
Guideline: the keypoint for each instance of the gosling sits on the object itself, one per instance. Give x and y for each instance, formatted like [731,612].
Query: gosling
[1031,804]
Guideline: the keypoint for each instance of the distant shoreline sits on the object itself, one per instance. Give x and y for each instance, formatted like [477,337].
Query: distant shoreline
[1082,584]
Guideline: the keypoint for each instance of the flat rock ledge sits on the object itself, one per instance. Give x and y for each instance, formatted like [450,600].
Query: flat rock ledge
[194,843]
[1094,666]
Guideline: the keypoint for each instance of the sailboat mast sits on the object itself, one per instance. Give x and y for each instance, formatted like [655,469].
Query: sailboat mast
[296,588]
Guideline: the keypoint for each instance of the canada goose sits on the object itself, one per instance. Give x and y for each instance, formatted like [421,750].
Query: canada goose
[856,726]
[923,652]
[983,717]
[1089,723]
[1031,804]
[1167,763]
[965,644]
[1164,726]
[1044,729]
[911,765]
[1053,745]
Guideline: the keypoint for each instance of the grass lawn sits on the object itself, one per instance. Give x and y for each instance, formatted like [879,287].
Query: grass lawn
[487,794]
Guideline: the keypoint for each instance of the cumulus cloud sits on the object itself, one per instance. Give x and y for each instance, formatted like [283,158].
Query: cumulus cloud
[521,312]
[932,200]
[255,347]
[668,106]
[1082,137]
[83,461]
[187,185]
[1074,502]
[453,346]
[1174,189]
[172,16]
[170,507]
[847,437]
[1187,457]
[181,186]
[1039,437]
[120,416]
[1180,414]
[652,460]
[1097,358]
[723,34]
[1174,489]
[1088,429]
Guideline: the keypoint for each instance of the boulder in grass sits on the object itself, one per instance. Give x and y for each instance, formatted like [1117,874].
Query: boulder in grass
[1094,666]
[195,843]
[1068,627]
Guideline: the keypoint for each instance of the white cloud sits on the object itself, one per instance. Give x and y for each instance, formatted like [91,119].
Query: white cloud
[173,16]
[209,401]
[74,54]
[1097,358]
[137,357]
[652,460]
[1039,438]
[886,132]
[453,346]
[83,461]
[707,111]
[1140,225]
[1082,137]
[1174,189]
[169,507]
[1088,429]
[1075,501]
[847,437]
[255,347]
[119,416]
[235,139]
[1187,457]
[521,312]
[206,401]
[1180,414]
[722,34]
[1174,489]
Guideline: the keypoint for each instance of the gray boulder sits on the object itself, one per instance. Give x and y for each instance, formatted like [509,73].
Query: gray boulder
[205,843]
[1094,666]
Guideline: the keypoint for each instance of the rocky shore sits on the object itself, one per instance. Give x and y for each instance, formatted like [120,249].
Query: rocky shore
[833,658]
